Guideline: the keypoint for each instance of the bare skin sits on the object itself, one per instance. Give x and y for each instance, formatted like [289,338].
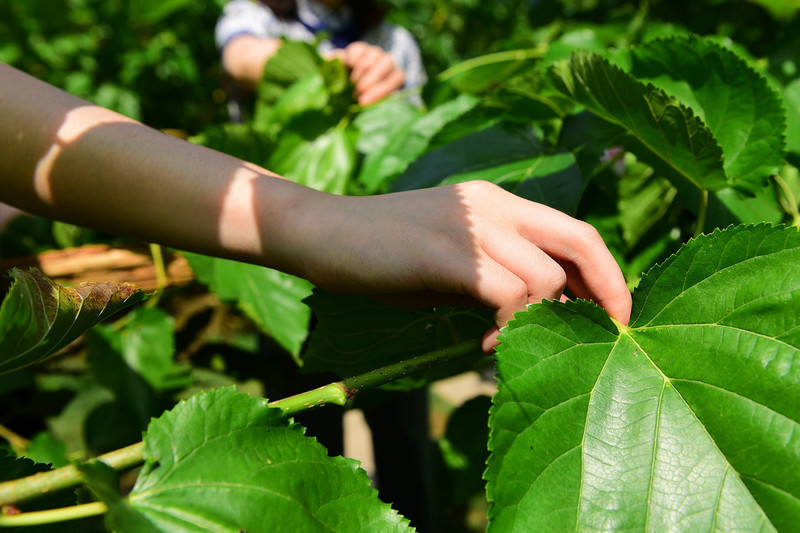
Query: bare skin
[372,69]
[473,242]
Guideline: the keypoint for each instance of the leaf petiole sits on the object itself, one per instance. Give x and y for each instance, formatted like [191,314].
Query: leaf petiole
[51,516]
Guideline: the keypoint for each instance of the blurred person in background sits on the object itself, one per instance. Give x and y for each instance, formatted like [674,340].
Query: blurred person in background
[382,57]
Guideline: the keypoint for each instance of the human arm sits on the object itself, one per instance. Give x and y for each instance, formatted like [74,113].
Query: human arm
[372,70]
[244,57]
[66,159]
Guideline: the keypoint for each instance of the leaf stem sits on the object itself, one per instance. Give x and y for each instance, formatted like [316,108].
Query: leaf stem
[790,204]
[401,369]
[161,273]
[18,443]
[35,518]
[702,213]
[338,393]
[42,483]
[488,59]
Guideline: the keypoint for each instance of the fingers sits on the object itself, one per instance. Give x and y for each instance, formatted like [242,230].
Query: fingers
[592,272]
[552,249]
[372,70]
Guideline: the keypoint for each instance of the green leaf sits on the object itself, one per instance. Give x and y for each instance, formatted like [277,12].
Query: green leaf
[154,11]
[791,94]
[134,362]
[224,461]
[489,71]
[355,334]
[380,122]
[554,180]
[644,198]
[410,142]
[780,9]
[271,299]
[38,316]
[103,482]
[740,108]
[658,123]
[146,343]
[688,419]
[325,163]
[239,140]
[497,145]
[293,61]
[463,448]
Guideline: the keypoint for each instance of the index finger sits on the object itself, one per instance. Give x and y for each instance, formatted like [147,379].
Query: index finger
[592,272]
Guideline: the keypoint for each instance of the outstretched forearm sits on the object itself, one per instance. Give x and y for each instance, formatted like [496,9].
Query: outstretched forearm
[465,243]
[66,159]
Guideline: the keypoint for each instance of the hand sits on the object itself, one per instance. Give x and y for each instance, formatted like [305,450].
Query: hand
[372,70]
[470,243]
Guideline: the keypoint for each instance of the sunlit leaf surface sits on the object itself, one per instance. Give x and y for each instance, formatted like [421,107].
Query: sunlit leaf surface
[224,461]
[743,112]
[687,420]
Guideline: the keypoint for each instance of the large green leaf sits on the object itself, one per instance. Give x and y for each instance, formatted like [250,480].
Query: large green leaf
[686,420]
[356,334]
[224,461]
[658,123]
[500,144]
[740,108]
[39,316]
[272,299]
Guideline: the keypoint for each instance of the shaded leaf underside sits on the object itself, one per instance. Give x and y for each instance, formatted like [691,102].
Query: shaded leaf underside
[39,316]
[666,129]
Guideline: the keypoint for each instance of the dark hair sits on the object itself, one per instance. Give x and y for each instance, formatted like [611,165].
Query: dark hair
[366,13]
[282,8]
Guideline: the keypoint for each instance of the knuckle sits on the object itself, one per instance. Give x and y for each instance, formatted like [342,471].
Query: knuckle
[552,281]
[479,188]
[586,236]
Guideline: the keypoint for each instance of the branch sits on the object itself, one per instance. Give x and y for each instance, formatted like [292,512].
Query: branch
[65,477]
[338,393]
[35,518]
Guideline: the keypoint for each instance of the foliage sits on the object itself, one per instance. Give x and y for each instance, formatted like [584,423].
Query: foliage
[146,59]
[659,123]
[597,424]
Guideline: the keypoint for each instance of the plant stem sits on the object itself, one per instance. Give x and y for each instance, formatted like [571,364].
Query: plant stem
[337,393]
[18,443]
[790,203]
[488,59]
[332,393]
[67,476]
[35,518]
[401,369]
[701,213]
[161,273]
